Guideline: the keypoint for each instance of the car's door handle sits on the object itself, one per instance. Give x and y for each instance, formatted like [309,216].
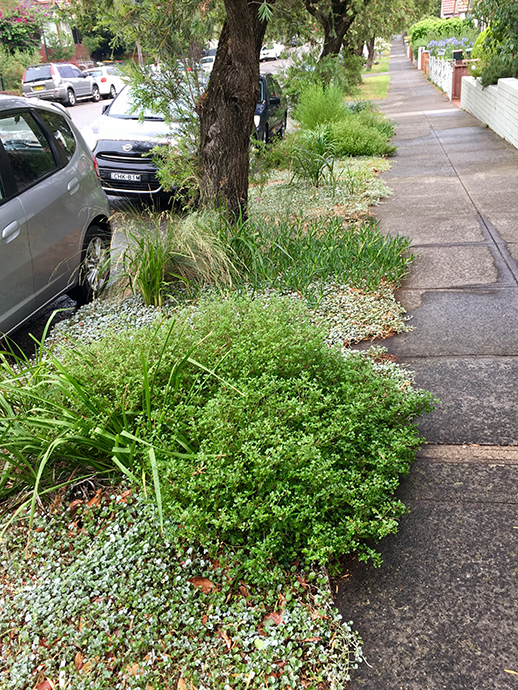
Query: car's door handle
[73,185]
[11,231]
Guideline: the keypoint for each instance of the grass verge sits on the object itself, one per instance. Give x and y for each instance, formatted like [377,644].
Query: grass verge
[374,87]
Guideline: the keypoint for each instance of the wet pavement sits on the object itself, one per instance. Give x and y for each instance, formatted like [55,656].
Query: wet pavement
[442,611]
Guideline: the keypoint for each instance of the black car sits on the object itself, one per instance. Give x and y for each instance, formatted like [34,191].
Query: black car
[271,111]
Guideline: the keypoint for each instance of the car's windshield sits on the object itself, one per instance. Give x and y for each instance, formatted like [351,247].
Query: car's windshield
[125,107]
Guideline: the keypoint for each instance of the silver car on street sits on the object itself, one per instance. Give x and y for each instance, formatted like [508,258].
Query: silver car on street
[54,217]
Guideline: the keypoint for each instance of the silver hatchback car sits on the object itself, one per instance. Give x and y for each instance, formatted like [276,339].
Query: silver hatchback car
[55,234]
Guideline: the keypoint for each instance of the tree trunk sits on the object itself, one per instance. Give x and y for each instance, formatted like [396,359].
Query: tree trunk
[227,110]
[336,17]
[370,53]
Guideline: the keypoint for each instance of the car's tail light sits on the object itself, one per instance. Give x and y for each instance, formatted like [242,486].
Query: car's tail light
[53,72]
[23,78]
[96,166]
[104,80]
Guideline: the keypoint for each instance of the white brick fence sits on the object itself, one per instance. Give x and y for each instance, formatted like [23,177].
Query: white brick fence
[495,106]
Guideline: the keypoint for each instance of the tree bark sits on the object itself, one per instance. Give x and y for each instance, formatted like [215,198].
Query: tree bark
[370,53]
[227,108]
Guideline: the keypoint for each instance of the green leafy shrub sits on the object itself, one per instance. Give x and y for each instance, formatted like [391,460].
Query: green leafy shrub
[358,135]
[434,29]
[288,449]
[60,48]
[309,70]
[13,65]
[21,28]
[499,67]
[481,52]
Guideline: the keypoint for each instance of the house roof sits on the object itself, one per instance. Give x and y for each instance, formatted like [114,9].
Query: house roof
[453,8]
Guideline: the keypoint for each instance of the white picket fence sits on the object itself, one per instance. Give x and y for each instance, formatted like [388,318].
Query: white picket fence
[441,74]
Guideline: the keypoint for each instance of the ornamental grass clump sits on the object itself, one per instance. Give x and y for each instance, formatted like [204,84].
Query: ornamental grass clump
[164,252]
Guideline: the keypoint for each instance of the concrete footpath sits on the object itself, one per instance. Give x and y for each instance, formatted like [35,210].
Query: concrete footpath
[442,611]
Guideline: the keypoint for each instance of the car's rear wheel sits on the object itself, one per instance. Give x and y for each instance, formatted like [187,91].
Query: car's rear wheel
[71,98]
[113,91]
[94,269]
[96,96]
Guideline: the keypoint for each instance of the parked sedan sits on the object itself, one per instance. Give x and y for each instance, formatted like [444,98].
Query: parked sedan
[54,230]
[271,111]
[57,81]
[121,141]
[107,79]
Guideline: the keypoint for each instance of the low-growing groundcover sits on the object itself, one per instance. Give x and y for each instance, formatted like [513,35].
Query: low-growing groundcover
[97,600]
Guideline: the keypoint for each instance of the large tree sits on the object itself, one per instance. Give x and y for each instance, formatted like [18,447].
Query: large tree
[349,24]
[227,108]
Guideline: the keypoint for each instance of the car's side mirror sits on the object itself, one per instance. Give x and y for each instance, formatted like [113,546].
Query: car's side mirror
[275,100]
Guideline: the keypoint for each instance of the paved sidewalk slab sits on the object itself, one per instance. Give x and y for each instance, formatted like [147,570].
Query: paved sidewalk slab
[441,613]
[454,184]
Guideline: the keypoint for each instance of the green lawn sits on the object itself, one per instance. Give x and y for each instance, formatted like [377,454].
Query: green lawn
[374,87]
[382,66]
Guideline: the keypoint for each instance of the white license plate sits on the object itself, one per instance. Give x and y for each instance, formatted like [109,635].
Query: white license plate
[126,177]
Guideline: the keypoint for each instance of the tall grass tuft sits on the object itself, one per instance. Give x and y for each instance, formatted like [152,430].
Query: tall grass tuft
[314,158]
[165,252]
[57,424]
[319,105]
[299,256]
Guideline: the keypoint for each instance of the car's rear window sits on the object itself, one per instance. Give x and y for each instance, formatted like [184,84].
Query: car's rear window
[94,72]
[37,73]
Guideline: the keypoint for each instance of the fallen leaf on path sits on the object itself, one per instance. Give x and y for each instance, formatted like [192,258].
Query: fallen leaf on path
[202,583]
[225,637]
[46,685]
[275,617]
[72,508]
[96,500]
[514,673]
[132,669]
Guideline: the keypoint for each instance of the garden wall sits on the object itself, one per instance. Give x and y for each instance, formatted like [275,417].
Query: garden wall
[495,106]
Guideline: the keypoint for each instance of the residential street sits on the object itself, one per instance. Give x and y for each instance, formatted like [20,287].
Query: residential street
[442,611]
